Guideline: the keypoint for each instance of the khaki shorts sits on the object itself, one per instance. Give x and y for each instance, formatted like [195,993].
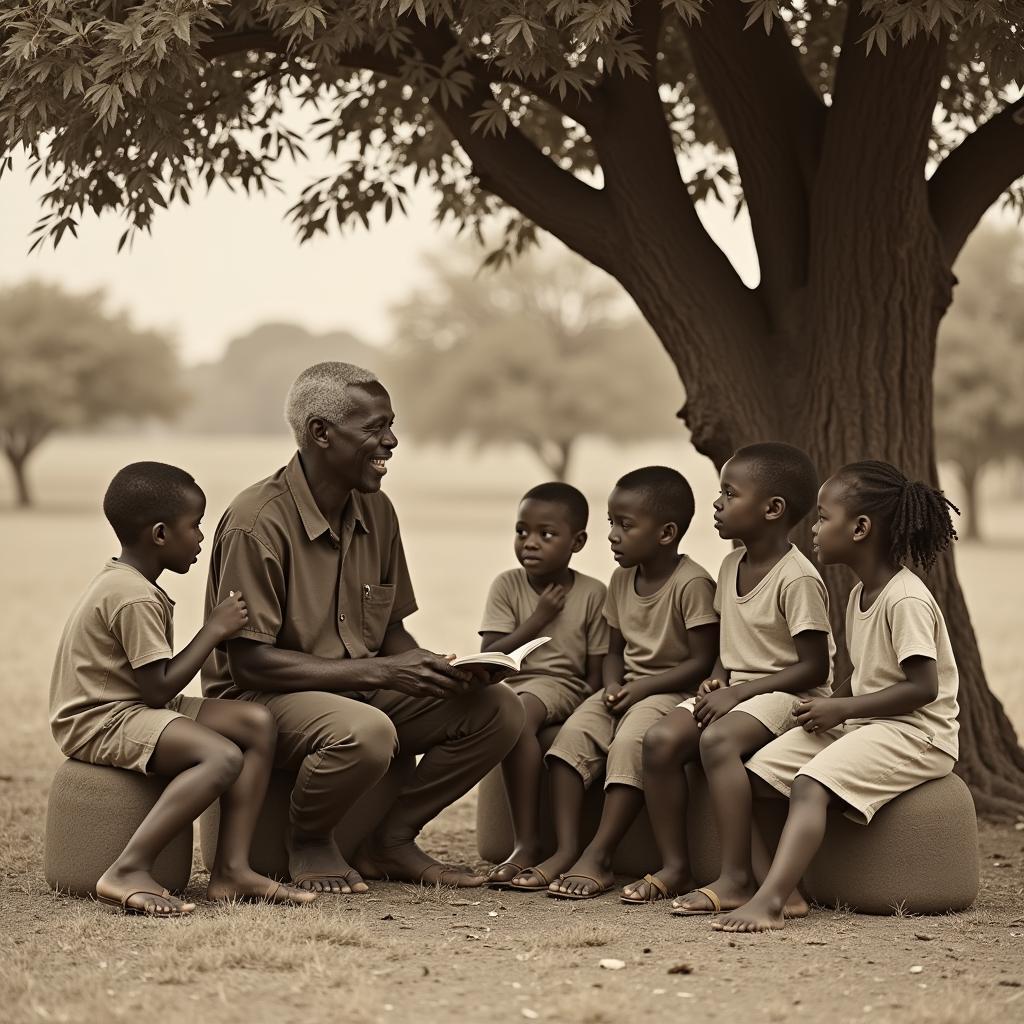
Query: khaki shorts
[594,740]
[128,738]
[773,710]
[864,765]
[560,697]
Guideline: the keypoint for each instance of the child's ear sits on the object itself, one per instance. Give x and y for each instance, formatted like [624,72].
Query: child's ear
[861,528]
[160,534]
[578,541]
[776,508]
[669,534]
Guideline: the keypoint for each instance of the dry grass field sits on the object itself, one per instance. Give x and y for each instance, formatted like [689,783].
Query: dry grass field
[403,954]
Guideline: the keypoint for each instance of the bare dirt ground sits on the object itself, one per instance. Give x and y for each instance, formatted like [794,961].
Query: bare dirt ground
[404,954]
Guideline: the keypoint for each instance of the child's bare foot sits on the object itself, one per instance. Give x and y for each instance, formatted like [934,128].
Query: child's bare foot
[248,885]
[756,916]
[731,894]
[587,878]
[138,892]
[540,876]
[648,890]
[316,865]
[408,863]
[517,862]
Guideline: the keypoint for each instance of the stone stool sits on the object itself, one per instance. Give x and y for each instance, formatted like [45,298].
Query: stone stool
[91,814]
[269,856]
[919,854]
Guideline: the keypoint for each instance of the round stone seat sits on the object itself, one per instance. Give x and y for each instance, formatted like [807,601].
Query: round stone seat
[919,854]
[91,813]
[268,854]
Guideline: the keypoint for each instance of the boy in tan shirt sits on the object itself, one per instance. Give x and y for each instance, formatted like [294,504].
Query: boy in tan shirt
[115,698]
[892,725]
[544,598]
[776,649]
[663,641]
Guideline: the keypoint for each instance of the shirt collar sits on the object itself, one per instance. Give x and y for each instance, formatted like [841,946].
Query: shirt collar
[309,512]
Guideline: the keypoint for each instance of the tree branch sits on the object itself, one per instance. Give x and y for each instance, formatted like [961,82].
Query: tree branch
[972,177]
[774,121]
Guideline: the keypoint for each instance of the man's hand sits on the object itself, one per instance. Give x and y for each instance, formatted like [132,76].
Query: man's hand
[421,673]
[708,685]
[230,616]
[821,713]
[551,602]
[714,704]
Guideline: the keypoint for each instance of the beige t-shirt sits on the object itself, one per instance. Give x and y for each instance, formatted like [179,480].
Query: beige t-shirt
[655,627]
[119,624]
[904,621]
[758,628]
[577,631]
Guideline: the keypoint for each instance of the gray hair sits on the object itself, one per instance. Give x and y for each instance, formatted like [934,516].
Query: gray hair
[322,392]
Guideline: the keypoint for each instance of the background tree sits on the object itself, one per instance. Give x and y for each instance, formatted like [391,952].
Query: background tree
[865,137]
[65,363]
[540,355]
[243,391]
[979,370]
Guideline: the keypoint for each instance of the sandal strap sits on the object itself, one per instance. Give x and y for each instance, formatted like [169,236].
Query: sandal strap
[657,883]
[712,898]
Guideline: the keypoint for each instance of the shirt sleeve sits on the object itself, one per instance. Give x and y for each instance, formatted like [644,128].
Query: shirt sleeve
[397,575]
[913,629]
[804,603]
[697,602]
[597,625]
[141,628]
[611,606]
[242,562]
[499,614]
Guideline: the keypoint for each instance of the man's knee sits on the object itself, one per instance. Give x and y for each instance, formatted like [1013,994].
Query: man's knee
[503,710]
[371,739]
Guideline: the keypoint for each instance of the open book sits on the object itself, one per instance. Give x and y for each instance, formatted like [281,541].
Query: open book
[513,661]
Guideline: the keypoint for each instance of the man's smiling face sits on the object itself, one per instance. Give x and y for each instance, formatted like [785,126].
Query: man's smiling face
[361,445]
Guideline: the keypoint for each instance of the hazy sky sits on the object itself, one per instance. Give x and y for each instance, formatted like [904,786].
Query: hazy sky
[212,270]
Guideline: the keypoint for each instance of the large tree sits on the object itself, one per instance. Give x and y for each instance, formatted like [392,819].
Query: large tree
[66,363]
[537,356]
[866,138]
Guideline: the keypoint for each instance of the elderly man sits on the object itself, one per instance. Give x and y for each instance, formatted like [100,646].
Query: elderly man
[317,552]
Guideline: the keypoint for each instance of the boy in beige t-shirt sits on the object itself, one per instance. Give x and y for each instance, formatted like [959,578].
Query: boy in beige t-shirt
[115,698]
[776,649]
[892,725]
[544,598]
[663,640]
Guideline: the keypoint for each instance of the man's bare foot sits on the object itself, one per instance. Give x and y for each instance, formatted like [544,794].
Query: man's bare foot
[517,862]
[587,877]
[408,863]
[644,891]
[755,916]
[138,892]
[249,885]
[316,865]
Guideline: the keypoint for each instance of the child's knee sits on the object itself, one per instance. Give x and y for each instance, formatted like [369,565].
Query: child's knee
[808,792]
[717,743]
[258,724]
[666,744]
[224,759]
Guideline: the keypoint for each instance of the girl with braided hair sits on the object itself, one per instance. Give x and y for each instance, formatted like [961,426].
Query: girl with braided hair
[892,724]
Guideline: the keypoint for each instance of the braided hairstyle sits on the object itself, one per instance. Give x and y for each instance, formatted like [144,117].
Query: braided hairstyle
[914,515]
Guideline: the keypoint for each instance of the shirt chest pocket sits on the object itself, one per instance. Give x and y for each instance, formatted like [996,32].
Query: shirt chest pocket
[378,600]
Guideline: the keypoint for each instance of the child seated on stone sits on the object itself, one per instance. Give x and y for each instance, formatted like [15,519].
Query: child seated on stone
[115,698]
[544,598]
[663,642]
[893,724]
[776,650]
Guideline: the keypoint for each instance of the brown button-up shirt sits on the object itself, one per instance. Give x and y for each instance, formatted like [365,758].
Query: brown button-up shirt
[308,589]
